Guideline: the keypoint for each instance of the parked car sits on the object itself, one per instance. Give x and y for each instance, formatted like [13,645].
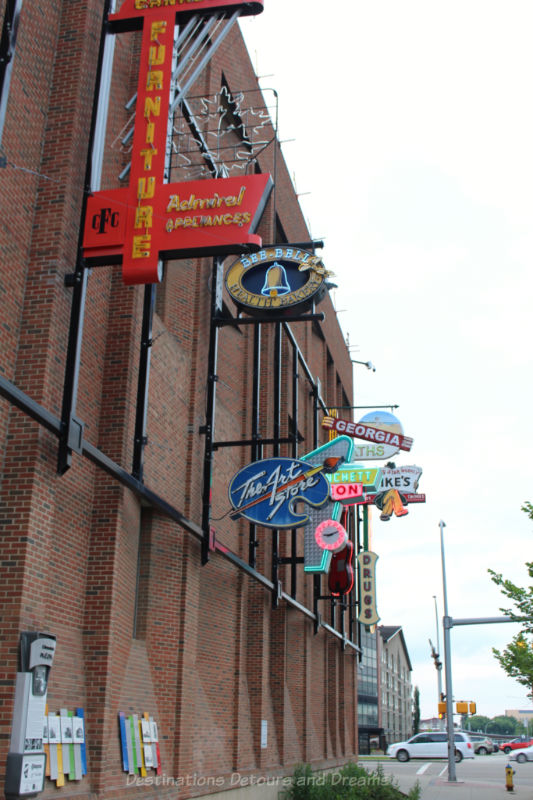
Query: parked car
[515,744]
[431,744]
[524,754]
[483,745]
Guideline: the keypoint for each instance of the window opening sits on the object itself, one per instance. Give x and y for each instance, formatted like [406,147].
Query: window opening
[7,51]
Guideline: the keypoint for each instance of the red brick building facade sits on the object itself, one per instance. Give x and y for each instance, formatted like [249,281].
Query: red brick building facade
[229,657]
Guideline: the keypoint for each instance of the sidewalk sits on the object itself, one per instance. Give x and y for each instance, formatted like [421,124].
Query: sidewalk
[440,789]
[485,780]
[471,790]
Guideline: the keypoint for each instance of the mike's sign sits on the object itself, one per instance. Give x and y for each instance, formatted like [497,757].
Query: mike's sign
[151,220]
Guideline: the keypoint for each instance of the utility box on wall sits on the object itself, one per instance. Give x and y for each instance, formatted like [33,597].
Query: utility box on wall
[26,760]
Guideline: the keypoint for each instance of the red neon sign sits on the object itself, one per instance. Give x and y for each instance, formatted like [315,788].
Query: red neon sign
[150,220]
[130,9]
[346,492]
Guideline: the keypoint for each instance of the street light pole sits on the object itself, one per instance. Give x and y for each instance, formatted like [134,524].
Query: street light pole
[448,666]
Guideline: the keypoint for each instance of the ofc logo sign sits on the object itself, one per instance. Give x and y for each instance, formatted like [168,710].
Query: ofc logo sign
[104,219]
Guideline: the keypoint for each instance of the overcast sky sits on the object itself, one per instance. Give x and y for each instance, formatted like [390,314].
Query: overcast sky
[412,123]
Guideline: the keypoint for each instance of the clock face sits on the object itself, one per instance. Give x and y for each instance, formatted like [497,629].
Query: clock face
[330,535]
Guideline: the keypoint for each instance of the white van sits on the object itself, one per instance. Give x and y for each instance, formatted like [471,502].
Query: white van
[431,745]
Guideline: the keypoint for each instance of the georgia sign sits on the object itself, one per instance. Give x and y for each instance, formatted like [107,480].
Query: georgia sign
[382,432]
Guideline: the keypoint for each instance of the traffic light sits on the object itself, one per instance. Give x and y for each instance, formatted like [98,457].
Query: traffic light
[442,710]
[435,656]
[472,708]
[462,707]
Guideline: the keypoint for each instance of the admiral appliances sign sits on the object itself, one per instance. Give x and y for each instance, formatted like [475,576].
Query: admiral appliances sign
[150,220]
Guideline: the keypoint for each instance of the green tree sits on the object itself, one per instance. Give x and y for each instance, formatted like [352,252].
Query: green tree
[478,723]
[416,710]
[517,658]
[508,726]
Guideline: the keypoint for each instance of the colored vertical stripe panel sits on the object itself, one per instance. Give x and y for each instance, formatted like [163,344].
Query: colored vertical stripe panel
[53,762]
[136,741]
[83,752]
[141,749]
[123,741]
[130,732]
[46,746]
[54,737]
[60,780]
[154,745]
[71,757]
[158,768]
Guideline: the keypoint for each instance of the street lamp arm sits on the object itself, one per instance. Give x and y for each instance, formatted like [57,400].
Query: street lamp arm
[485,620]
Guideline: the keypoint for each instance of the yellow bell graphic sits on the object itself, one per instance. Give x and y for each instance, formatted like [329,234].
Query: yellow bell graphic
[275,281]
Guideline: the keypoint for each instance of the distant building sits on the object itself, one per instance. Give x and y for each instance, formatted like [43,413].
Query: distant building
[395,690]
[435,724]
[369,726]
[522,715]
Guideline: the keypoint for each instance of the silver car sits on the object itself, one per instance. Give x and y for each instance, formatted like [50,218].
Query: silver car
[483,745]
[525,754]
[431,744]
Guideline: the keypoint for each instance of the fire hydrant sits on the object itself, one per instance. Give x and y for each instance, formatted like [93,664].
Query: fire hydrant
[509,772]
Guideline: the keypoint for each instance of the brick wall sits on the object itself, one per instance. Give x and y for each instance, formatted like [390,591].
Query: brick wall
[141,625]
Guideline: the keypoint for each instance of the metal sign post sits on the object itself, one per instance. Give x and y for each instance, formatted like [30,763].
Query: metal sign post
[447,665]
[447,624]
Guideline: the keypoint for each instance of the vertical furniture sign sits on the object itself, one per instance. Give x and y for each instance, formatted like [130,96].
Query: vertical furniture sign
[151,219]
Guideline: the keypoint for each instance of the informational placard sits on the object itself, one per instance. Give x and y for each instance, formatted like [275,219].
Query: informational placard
[139,739]
[32,779]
